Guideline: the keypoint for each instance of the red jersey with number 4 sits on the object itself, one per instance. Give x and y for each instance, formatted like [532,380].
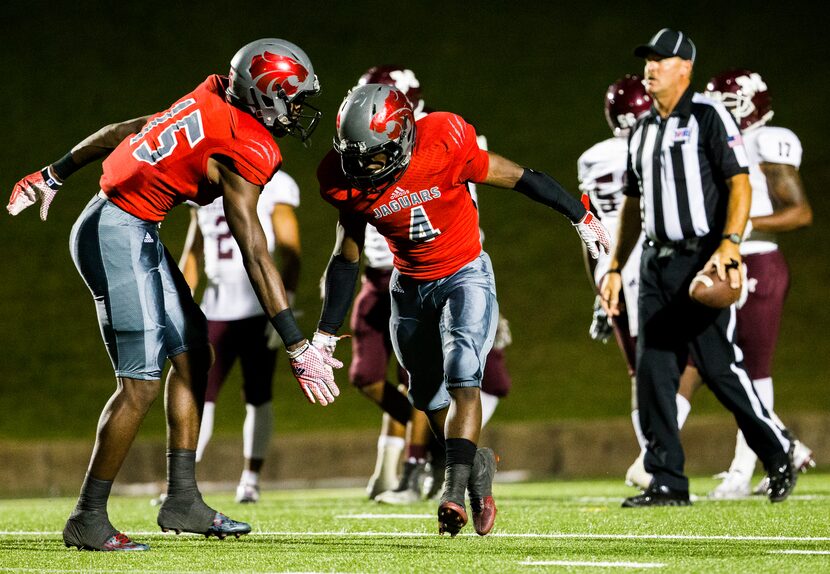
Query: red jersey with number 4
[428,217]
[165,164]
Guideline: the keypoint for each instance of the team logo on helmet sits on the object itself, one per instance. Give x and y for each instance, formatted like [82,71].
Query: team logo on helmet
[268,68]
[392,118]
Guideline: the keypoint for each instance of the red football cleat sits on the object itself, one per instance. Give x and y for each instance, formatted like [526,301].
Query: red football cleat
[451,518]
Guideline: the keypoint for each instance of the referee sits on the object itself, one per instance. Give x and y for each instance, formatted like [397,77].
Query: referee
[688,188]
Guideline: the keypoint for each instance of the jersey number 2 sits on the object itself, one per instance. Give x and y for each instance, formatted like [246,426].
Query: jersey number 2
[420,227]
[192,126]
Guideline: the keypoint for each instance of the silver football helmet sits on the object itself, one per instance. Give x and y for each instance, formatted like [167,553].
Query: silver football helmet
[375,119]
[271,78]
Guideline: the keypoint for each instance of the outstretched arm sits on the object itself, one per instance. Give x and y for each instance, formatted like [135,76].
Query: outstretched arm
[542,188]
[45,183]
[312,370]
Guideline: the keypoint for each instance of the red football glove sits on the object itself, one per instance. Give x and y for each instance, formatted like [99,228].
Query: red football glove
[313,370]
[37,186]
[592,231]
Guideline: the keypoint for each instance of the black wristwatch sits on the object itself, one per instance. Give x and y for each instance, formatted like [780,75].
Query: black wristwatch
[733,237]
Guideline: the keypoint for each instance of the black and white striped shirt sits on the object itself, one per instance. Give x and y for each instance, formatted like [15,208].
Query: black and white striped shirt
[679,167]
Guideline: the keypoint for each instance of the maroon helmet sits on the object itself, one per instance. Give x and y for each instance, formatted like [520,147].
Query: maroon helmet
[625,101]
[401,78]
[745,94]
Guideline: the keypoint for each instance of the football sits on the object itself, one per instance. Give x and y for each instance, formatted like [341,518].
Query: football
[708,289]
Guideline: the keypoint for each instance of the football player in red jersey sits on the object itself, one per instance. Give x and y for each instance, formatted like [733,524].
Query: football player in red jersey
[410,181]
[216,141]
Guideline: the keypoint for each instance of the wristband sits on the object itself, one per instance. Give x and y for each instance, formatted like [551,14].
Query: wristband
[616,270]
[287,328]
[65,166]
[53,183]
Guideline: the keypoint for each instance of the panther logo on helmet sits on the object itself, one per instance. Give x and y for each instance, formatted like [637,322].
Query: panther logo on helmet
[391,118]
[375,136]
[269,68]
[745,94]
[271,79]
[625,101]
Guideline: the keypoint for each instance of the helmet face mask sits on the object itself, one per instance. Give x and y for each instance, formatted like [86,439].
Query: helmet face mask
[271,79]
[744,93]
[625,101]
[375,136]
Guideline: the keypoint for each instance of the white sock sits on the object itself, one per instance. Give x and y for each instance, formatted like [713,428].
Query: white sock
[390,449]
[249,477]
[256,431]
[638,431]
[745,459]
[206,430]
[488,407]
[683,409]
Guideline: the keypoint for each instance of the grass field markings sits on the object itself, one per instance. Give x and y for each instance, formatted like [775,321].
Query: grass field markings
[798,552]
[374,516]
[592,564]
[695,498]
[544,536]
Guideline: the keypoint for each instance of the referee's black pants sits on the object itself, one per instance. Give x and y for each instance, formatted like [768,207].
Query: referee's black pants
[671,327]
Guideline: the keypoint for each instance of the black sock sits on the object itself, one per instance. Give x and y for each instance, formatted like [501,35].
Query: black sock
[460,451]
[94,494]
[181,472]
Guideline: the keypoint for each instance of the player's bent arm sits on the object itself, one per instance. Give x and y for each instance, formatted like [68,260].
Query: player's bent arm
[240,202]
[45,183]
[193,254]
[791,209]
[342,272]
[727,257]
[287,234]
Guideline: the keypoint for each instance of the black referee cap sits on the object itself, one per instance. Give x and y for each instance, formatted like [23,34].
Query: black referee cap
[668,43]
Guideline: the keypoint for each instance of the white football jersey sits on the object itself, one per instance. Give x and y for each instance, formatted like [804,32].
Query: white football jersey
[766,144]
[601,172]
[229,295]
[376,249]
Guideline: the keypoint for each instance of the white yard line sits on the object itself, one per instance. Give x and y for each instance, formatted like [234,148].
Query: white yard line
[798,552]
[375,516]
[552,536]
[592,564]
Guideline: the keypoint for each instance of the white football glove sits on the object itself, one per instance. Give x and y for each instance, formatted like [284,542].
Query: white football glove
[38,186]
[592,231]
[503,334]
[746,288]
[313,370]
[601,327]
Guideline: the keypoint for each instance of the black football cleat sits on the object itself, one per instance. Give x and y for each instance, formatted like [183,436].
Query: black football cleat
[657,495]
[451,518]
[480,489]
[224,526]
[782,479]
[93,531]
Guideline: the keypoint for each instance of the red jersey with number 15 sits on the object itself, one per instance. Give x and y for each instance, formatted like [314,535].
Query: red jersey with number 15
[165,164]
[428,217]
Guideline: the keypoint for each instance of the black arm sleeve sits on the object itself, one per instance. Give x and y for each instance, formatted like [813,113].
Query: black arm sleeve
[341,277]
[543,188]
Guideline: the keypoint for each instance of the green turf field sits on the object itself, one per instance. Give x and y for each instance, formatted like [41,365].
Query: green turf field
[541,527]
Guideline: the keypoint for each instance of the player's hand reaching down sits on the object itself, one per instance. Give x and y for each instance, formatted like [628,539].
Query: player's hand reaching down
[592,231]
[38,186]
[313,370]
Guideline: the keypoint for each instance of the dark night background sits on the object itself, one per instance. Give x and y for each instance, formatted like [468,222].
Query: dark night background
[531,77]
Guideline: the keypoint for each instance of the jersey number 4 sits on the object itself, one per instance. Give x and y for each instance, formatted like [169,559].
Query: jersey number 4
[420,227]
[191,124]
